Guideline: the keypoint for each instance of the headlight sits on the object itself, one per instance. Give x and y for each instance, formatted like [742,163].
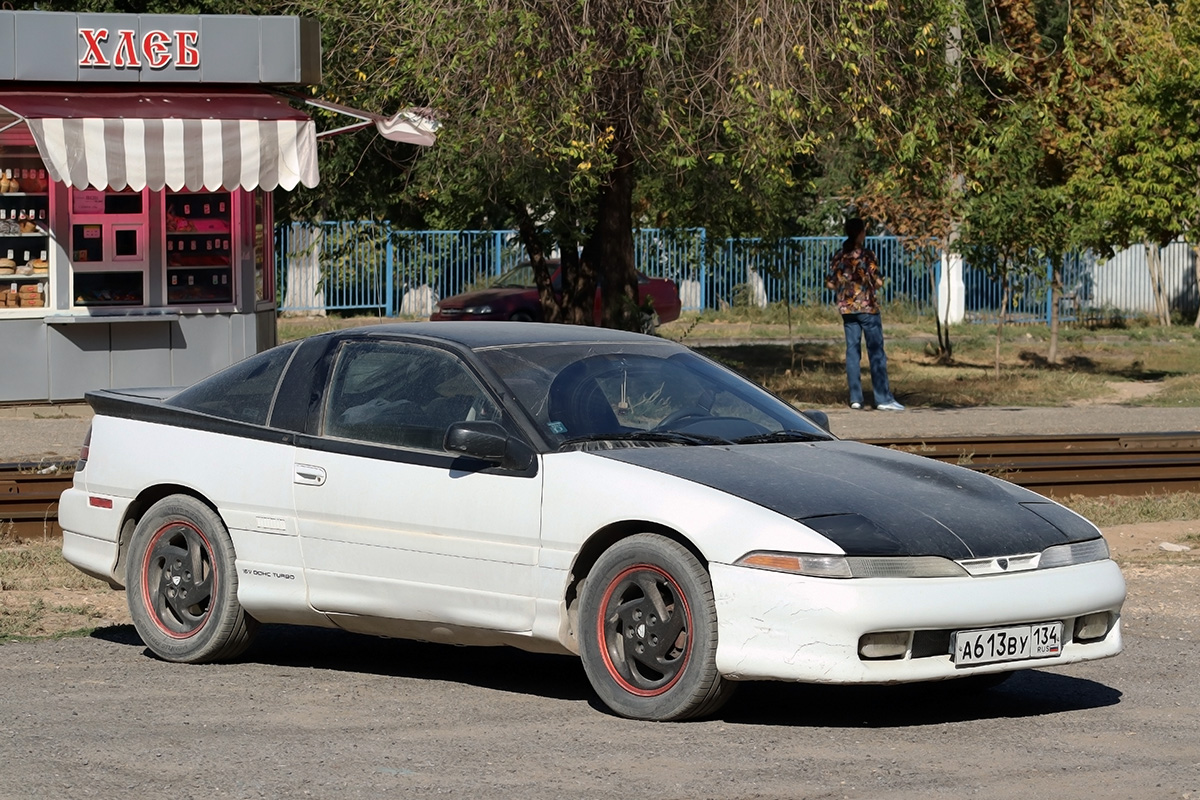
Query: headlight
[478,310]
[1065,555]
[836,566]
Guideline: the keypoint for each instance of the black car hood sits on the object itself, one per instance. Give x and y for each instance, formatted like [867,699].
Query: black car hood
[873,501]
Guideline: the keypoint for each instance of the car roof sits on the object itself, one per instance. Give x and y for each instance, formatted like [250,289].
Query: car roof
[479,334]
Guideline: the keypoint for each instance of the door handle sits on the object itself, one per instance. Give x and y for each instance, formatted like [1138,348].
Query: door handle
[309,475]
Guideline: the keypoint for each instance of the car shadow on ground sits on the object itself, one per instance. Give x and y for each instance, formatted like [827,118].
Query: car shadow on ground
[505,669]
[1026,694]
[1029,693]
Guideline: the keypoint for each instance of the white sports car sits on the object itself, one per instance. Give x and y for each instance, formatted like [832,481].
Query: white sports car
[576,490]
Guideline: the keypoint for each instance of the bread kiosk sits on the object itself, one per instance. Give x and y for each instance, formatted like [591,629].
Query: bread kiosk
[138,154]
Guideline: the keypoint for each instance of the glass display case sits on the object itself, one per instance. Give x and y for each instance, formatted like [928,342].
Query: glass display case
[108,248]
[24,229]
[199,248]
[110,288]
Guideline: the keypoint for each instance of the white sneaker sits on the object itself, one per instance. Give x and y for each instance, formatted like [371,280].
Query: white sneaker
[890,406]
[856,406]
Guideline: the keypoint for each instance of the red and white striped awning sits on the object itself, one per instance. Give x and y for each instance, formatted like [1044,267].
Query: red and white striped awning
[195,140]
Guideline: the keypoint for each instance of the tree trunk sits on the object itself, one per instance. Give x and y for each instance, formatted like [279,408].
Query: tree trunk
[1000,322]
[1055,293]
[535,249]
[579,286]
[609,251]
[791,338]
[1196,269]
[1154,263]
[945,350]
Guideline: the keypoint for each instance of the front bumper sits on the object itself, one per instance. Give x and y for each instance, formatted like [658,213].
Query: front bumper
[776,626]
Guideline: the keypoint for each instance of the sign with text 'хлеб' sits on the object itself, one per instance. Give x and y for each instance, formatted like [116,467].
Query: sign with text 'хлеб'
[158,48]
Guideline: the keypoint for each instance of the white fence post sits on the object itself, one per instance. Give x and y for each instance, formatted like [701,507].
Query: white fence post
[303,292]
[952,289]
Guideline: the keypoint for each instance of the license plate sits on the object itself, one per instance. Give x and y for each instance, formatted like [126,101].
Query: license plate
[991,645]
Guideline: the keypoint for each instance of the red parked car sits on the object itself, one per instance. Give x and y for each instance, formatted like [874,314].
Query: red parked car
[514,296]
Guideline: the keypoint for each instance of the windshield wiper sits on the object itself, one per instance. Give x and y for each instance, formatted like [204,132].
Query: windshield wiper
[668,437]
[783,436]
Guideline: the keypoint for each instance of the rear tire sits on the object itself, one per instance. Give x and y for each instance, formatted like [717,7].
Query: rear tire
[648,635]
[181,584]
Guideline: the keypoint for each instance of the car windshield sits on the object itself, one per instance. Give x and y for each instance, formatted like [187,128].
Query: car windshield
[631,394]
[516,278]
[521,277]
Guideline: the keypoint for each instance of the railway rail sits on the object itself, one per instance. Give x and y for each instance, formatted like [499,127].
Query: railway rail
[1059,466]
[1054,466]
[29,498]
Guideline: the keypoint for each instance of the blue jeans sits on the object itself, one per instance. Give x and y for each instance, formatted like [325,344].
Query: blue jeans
[859,326]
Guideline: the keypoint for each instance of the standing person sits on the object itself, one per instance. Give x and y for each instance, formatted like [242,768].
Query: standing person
[854,276]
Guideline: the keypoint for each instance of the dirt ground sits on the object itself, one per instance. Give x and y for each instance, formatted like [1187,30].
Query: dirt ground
[311,713]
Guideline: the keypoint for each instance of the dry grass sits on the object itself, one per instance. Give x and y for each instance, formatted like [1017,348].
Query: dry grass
[814,374]
[290,328]
[805,363]
[42,595]
[39,565]
[1178,390]
[1118,510]
[808,367]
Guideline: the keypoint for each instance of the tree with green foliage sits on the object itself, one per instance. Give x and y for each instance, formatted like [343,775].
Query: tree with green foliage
[1138,174]
[572,122]
[1016,212]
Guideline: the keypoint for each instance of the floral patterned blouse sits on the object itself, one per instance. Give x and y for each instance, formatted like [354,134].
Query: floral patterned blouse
[855,277]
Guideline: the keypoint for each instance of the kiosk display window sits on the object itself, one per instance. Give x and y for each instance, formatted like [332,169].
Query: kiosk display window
[261,222]
[108,248]
[24,229]
[199,247]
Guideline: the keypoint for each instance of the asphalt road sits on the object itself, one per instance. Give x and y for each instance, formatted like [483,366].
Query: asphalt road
[314,713]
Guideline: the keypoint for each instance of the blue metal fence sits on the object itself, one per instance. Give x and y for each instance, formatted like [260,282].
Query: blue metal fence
[370,266]
[1030,298]
[344,266]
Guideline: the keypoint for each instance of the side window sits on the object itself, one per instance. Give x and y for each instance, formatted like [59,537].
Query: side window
[400,394]
[243,392]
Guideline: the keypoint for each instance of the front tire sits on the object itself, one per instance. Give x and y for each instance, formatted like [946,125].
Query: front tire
[181,584]
[648,635]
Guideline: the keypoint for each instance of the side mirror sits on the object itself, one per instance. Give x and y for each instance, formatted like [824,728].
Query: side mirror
[820,418]
[488,441]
